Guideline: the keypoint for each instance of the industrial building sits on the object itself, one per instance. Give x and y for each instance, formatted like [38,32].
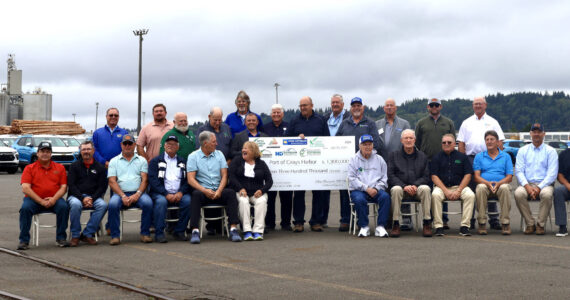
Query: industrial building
[16,105]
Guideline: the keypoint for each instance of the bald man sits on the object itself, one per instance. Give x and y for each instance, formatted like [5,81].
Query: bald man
[390,128]
[186,138]
[220,129]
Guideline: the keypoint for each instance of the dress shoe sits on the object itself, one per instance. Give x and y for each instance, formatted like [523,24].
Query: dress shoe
[427,230]
[343,227]
[530,229]
[539,230]
[74,242]
[395,231]
[445,226]
[23,246]
[88,240]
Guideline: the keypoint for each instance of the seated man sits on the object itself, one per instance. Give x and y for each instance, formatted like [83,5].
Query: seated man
[408,172]
[493,173]
[536,169]
[43,184]
[562,193]
[87,187]
[208,175]
[169,187]
[451,173]
[128,180]
[367,177]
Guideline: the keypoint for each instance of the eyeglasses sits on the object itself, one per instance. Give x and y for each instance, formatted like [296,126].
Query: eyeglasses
[434,105]
[113,115]
[128,143]
[446,143]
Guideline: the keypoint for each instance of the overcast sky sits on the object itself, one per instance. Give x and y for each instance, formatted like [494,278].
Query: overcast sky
[198,54]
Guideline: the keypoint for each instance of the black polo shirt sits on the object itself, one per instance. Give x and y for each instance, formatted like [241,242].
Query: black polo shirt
[450,168]
[274,131]
[564,164]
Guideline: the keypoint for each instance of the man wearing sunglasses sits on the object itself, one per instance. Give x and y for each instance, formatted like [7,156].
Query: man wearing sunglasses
[107,139]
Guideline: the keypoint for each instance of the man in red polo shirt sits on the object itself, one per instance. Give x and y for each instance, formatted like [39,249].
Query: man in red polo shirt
[43,184]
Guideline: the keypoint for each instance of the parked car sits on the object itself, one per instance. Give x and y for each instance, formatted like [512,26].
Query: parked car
[512,148]
[27,147]
[7,139]
[558,146]
[9,161]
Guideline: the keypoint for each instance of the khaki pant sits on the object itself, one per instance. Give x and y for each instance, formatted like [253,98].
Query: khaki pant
[260,210]
[437,198]
[482,193]
[545,196]
[423,194]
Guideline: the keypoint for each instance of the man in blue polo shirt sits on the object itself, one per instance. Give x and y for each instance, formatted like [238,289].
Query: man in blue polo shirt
[107,139]
[493,172]
[236,120]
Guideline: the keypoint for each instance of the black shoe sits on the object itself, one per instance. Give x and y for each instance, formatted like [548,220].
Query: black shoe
[439,231]
[180,237]
[62,243]
[495,226]
[445,226]
[464,231]
[160,239]
[343,227]
[286,228]
[23,246]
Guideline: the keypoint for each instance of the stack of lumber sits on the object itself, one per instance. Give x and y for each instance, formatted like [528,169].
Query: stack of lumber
[46,127]
[5,129]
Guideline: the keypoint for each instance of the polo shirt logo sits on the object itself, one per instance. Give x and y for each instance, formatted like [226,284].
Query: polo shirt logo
[119,135]
[360,170]
[55,172]
[457,161]
[94,171]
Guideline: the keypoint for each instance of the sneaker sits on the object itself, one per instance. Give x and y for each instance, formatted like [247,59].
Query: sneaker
[161,239]
[395,230]
[298,228]
[381,231]
[464,231]
[115,241]
[562,231]
[234,236]
[364,232]
[286,228]
[146,239]
[506,229]
[23,246]
[539,230]
[180,236]
[343,227]
[530,229]
[62,243]
[257,236]
[195,237]
[482,230]
[248,236]
[439,231]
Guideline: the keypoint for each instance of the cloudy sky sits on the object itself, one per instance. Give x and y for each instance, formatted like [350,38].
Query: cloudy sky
[199,54]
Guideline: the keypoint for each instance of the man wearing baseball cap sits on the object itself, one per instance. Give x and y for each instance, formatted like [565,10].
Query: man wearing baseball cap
[368,180]
[43,183]
[536,182]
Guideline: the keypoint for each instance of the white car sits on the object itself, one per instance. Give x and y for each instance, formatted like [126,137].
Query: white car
[8,157]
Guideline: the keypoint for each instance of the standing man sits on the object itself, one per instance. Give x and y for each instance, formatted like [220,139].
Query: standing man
[169,187]
[493,173]
[408,173]
[277,128]
[472,142]
[87,187]
[128,179]
[451,172]
[107,139]
[236,120]
[220,129]
[208,175]
[308,123]
[536,169]
[43,184]
[562,193]
[239,139]
[356,125]
[186,138]
[368,180]
[152,133]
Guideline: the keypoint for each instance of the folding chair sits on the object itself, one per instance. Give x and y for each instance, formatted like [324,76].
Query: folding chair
[36,227]
[452,212]
[352,221]
[123,220]
[413,202]
[223,217]
[172,220]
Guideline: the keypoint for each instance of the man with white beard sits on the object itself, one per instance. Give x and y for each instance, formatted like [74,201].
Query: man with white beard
[186,138]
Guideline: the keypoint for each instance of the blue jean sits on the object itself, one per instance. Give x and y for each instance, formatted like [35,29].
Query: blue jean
[561,194]
[344,207]
[114,216]
[30,208]
[159,213]
[319,204]
[97,212]
[361,199]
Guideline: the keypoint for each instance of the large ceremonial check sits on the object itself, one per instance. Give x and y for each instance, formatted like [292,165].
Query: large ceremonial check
[312,163]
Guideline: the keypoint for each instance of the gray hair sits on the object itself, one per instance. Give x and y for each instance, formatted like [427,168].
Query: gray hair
[216,108]
[408,131]
[451,135]
[108,109]
[205,136]
[338,96]
[277,106]
[89,142]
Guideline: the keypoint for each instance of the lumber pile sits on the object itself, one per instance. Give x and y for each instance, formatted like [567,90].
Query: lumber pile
[45,127]
[5,129]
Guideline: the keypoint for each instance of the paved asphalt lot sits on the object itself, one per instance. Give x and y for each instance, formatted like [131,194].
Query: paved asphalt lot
[309,265]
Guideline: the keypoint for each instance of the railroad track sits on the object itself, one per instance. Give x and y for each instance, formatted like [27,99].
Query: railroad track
[81,273]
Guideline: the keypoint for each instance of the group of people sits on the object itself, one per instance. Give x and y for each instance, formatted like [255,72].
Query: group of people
[170,166]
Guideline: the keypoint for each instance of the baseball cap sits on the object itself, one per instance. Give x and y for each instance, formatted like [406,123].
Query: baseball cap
[434,100]
[366,138]
[355,100]
[44,145]
[128,138]
[172,138]
[537,126]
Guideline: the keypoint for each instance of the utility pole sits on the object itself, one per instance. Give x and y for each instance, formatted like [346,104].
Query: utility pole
[140,34]
[96,114]
[73,117]
[276,85]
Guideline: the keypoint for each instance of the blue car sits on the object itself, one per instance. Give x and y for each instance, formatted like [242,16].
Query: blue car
[512,148]
[27,147]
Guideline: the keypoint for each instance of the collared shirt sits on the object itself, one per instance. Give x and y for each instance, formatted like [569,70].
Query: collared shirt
[186,141]
[472,133]
[107,143]
[207,168]
[151,135]
[44,181]
[334,122]
[493,169]
[172,176]
[128,173]
[452,168]
[365,126]
[237,122]
[538,165]
[388,132]
[275,131]
[429,132]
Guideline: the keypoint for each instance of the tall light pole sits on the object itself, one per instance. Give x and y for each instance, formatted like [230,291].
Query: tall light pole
[140,34]
[276,85]
[96,114]
[73,117]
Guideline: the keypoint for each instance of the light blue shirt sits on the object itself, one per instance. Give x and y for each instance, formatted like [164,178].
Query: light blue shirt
[493,169]
[536,165]
[334,123]
[128,173]
[207,168]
